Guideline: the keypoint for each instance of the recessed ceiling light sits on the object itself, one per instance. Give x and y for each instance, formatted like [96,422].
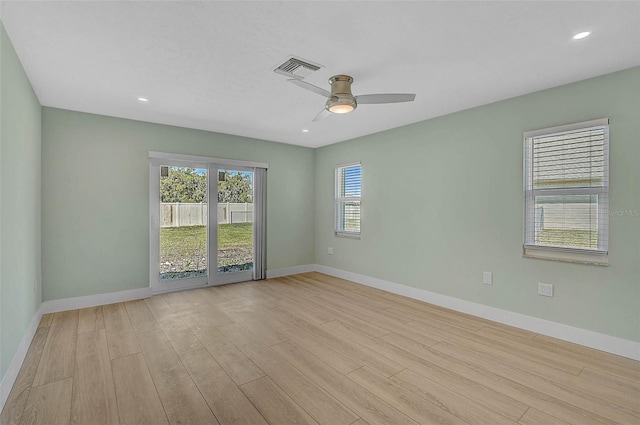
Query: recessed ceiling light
[143,99]
[581,35]
[305,130]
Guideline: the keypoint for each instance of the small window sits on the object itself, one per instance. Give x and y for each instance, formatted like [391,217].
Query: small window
[566,178]
[348,192]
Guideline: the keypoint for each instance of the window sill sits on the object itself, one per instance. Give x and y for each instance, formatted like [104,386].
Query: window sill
[567,255]
[348,235]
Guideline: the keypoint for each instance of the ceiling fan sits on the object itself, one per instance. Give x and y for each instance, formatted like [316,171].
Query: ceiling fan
[341,101]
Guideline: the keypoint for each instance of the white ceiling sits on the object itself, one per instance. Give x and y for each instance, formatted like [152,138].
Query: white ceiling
[209,65]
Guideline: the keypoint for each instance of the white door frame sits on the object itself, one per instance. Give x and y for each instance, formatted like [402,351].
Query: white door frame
[157,159]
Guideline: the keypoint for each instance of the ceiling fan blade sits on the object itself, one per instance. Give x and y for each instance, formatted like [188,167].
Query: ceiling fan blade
[321,115]
[385,98]
[311,87]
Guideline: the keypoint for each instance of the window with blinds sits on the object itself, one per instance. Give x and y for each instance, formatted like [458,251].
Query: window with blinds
[347,200]
[566,175]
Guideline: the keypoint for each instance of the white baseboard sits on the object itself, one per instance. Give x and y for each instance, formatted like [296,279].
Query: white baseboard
[16,363]
[305,268]
[94,300]
[608,343]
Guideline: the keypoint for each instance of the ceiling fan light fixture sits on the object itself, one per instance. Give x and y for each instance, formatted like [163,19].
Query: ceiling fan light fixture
[341,105]
[341,109]
[340,100]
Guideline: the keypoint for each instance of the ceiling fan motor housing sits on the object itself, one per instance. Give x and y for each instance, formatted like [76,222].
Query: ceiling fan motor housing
[341,101]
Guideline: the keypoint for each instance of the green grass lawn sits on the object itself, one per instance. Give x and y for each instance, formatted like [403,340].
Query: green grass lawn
[183,250]
[182,240]
[568,237]
[237,234]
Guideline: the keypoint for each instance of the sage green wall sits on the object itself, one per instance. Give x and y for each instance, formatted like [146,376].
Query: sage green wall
[443,202]
[95,234]
[20,125]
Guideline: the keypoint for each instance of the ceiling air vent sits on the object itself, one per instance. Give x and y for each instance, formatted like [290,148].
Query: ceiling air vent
[297,68]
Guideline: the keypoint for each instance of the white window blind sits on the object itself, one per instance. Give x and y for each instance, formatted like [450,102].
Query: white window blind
[566,174]
[347,200]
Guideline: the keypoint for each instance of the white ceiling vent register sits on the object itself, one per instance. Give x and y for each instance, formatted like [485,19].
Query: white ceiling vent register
[297,67]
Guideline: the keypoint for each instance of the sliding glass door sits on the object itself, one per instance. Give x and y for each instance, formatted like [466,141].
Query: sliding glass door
[233,229]
[202,223]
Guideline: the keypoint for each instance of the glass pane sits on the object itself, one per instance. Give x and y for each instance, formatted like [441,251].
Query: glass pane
[574,159]
[351,181]
[183,222]
[235,221]
[351,216]
[567,221]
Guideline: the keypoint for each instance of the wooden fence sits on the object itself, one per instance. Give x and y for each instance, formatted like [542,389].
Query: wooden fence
[176,214]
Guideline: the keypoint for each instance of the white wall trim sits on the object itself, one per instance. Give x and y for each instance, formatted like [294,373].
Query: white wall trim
[599,122]
[94,300]
[608,343]
[305,268]
[207,160]
[16,363]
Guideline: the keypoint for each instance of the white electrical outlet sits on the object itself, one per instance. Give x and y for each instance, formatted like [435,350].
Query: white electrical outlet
[545,289]
[487,278]
[330,251]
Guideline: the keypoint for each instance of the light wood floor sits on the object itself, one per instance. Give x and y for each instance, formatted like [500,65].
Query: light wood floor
[309,349]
